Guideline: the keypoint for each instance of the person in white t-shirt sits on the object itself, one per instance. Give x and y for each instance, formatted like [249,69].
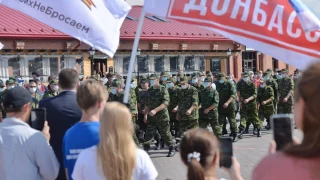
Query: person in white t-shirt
[116,156]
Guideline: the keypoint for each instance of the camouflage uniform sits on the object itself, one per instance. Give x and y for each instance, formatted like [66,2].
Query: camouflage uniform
[187,98]
[50,93]
[164,75]
[286,86]
[249,111]
[119,98]
[274,85]
[173,93]
[35,100]
[226,91]
[160,121]
[209,97]
[142,99]
[264,94]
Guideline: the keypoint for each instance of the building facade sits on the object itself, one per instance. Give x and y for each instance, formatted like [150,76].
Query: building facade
[165,45]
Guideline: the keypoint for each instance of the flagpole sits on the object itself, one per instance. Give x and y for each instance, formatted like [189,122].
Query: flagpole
[133,57]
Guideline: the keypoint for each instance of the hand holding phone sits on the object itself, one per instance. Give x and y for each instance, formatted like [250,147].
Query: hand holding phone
[282,130]
[37,118]
[226,152]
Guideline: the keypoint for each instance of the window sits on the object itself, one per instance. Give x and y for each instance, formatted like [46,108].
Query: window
[14,66]
[35,64]
[249,61]
[215,65]
[79,65]
[126,62]
[275,63]
[202,64]
[189,63]
[174,64]
[143,64]
[159,64]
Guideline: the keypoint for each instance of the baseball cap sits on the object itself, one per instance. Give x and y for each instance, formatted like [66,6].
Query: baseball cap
[154,76]
[116,83]
[54,81]
[184,80]
[16,98]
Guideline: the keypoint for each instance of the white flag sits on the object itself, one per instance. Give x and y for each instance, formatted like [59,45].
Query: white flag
[1,45]
[94,22]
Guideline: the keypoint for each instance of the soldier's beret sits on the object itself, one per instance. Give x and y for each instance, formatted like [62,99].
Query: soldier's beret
[53,81]
[169,80]
[154,76]
[207,80]
[110,74]
[184,80]
[116,83]
[220,75]
[245,74]
[164,74]
[10,81]
[266,73]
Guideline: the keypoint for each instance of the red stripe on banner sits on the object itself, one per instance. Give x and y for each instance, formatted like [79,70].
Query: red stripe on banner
[272,22]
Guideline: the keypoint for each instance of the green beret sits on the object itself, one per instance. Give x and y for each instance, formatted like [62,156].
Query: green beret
[169,80]
[220,75]
[184,80]
[144,80]
[245,74]
[207,80]
[54,81]
[154,76]
[110,74]
[116,83]
[284,70]
[10,81]
[164,74]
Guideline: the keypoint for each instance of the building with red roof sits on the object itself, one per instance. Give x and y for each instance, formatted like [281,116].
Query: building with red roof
[165,45]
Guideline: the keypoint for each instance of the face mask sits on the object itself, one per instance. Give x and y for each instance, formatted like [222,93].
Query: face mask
[32,90]
[10,87]
[262,85]
[206,84]
[266,78]
[133,85]
[245,79]
[202,79]
[152,82]
[164,78]
[221,81]
[1,89]
[260,75]
[194,81]
[56,87]
[114,91]
[169,85]
[184,86]
[280,76]
[20,84]
[39,86]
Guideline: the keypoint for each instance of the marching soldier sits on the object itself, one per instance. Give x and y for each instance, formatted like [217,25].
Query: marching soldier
[173,93]
[286,87]
[265,101]
[157,115]
[53,90]
[208,112]
[35,96]
[142,99]
[163,78]
[227,104]
[249,113]
[117,94]
[187,109]
[274,85]
[196,82]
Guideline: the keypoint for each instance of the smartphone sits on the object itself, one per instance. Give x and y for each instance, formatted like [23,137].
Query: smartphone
[37,118]
[282,129]
[226,152]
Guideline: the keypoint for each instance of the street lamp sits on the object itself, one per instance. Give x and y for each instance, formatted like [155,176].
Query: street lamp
[138,54]
[228,60]
[92,51]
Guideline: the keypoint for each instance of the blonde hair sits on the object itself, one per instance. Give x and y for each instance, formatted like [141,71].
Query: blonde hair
[89,93]
[116,150]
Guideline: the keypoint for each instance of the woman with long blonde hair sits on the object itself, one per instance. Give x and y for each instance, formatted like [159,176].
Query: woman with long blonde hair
[116,157]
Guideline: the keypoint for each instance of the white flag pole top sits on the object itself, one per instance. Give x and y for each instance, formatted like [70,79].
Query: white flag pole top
[269,26]
[309,21]
[133,56]
[94,22]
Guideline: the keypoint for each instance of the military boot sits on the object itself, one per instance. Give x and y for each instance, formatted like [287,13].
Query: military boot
[254,130]
[162,144]
[240,135]
[258,132]
[246,131]
[268,126]
[224,131]
[157,145]
[172,151]
[235,137]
